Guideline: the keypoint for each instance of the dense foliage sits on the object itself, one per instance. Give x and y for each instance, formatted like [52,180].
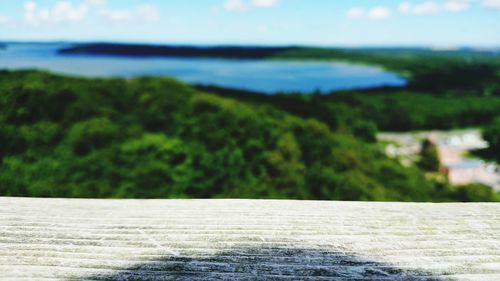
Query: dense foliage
[390,109]
[429,157]
[446,89]
[491,134]
[157,138]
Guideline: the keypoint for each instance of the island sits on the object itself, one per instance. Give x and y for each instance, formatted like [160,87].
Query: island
[144,50]
[396,58]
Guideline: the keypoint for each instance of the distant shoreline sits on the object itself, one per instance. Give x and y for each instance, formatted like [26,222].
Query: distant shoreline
[402,61]
[144,50]
[249,51]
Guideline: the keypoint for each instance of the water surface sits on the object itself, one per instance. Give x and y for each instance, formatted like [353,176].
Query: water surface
[256,75]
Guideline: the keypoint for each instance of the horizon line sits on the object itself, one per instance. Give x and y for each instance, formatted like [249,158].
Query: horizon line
[436,47]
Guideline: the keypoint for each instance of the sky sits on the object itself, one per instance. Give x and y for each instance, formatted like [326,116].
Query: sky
[353,23]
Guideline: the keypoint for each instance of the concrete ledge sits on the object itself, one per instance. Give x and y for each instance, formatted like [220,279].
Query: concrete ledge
[60,239]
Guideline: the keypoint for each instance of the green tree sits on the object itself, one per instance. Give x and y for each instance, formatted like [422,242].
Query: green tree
[11,140]
[92,134]
[286,172]
[475,193]
[158,138]
[429,157]
[365,130]
[154,166]
[491,134]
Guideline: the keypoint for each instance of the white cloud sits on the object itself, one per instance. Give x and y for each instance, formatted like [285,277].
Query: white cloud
[234,5]
[30,12]
[491,4]
[405,7]
[264,3]
[426,8]
[374,13]
[35,16]
[61,12]
[456,6]
[356,13]
[143,13]
[66,12]
[379,13]
[117,16]
[98,3]
[433,7]
[416,8]
[245,5]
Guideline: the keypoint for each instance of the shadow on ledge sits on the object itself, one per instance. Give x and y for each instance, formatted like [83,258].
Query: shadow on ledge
[267,264]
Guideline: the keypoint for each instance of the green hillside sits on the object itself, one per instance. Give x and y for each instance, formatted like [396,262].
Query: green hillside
[158,138]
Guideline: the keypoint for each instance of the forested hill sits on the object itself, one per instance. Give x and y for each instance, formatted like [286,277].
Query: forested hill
[393,58]
[158,138]
[141,50]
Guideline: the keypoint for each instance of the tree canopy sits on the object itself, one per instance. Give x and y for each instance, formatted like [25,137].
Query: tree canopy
[158,138]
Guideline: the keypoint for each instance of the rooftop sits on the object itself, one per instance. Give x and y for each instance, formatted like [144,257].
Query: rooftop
[62,239]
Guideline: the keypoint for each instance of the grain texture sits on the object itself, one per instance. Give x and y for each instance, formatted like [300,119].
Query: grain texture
[61,239]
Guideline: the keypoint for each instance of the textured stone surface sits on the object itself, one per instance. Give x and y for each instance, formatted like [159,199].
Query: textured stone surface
[59,239]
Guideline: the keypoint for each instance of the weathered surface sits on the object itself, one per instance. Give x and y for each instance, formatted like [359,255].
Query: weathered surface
[47,239]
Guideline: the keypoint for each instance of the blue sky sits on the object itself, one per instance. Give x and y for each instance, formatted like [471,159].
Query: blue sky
[440,23]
